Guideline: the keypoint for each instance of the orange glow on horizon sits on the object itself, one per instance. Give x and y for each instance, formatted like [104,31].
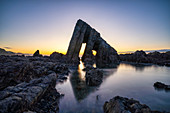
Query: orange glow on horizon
[48,52]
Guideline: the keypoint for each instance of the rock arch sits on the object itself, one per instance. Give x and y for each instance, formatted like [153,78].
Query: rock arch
[83,33]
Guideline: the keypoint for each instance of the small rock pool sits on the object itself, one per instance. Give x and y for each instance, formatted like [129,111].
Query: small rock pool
[126,80]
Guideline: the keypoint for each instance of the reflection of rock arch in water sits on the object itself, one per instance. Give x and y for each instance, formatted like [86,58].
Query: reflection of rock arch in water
[78,83]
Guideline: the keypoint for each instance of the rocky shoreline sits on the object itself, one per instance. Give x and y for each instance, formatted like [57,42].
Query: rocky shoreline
[27,83]
[140,57]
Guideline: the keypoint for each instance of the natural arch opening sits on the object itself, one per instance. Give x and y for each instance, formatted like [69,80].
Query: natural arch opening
[94,52]
[83,46]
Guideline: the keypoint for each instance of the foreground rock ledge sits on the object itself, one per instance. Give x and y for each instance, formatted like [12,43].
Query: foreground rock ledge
[22,96]
[124,105]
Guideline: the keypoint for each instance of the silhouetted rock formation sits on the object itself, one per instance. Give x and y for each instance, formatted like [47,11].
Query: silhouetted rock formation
[142,57]
[83,33]
[37,54]
[124,105]
[160,85]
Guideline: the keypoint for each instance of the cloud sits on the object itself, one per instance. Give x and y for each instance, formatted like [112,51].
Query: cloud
[7,47]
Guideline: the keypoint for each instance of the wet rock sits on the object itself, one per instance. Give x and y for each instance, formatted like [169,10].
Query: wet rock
[160,85]
[124,105]
[94,77]
[37,54]
[88,67]
[48,103]
[22,96]
[83,33]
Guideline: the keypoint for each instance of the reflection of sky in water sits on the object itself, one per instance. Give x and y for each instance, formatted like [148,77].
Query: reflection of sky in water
[126,80]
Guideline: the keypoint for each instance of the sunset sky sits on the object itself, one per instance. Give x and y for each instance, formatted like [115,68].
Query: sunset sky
[47,25]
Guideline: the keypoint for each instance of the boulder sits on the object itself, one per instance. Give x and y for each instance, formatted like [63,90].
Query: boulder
[56,55]
[140,53]
[160,85]
[124,105]
[94,77]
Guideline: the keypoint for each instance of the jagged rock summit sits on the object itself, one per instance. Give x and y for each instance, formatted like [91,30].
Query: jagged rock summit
[83,33]
[37,54]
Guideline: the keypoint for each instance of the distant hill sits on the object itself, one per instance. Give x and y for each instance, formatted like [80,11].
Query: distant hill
[161,50]
[4,52]
[147,51]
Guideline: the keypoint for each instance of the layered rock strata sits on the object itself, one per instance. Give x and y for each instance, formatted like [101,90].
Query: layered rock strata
[17,69]
[22,96]
[83,33]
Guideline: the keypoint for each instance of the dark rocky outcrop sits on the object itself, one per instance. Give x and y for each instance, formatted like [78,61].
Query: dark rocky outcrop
[160,85]
[88,67]
[94,77]
[22,96]
[37,54]
[141,57]
[23,86]
[124,105]
[17,69]
[56,55]
[83,33]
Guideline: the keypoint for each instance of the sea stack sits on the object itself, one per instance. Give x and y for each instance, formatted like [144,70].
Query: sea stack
[106,56]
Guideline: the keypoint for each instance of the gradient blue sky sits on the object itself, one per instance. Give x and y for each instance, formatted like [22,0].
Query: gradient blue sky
[47,25]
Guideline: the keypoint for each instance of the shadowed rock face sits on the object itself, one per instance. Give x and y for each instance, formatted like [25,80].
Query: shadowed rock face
[16,99]
[83,33]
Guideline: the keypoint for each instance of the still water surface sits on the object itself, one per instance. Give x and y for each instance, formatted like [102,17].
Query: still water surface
[126,80]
